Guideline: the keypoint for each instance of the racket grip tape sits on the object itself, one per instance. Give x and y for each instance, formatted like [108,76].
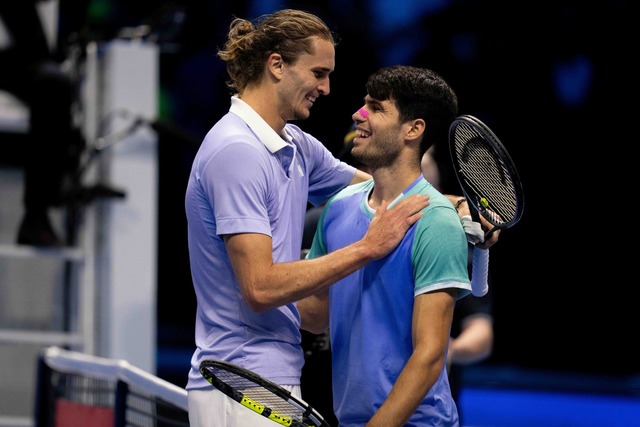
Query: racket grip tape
[480,272]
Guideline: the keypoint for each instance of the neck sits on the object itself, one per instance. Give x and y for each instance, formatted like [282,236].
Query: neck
[389,183]
[266,105]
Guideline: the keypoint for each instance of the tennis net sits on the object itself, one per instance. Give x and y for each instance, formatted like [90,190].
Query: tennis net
[78,390]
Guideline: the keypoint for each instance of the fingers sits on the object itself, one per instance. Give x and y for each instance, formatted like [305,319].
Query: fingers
[490,239]
[409,211]
[389,226]
[405,213]
[485,224]
[412,205]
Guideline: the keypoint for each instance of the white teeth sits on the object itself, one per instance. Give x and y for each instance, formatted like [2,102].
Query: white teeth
[311,98]
[362,134]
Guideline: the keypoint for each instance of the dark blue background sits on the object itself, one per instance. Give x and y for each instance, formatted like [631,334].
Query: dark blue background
[552,79]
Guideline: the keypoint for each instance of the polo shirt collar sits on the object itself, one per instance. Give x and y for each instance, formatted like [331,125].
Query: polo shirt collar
[265,133]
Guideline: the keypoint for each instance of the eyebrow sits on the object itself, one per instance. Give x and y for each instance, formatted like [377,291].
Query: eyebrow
[372,101]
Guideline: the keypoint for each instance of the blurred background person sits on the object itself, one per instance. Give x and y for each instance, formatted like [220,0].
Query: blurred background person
[472,327]
[35,69]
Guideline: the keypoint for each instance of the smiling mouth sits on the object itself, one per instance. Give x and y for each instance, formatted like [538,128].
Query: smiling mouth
[360,133]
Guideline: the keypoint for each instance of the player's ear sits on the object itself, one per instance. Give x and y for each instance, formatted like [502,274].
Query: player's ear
[275,65]
[416,129]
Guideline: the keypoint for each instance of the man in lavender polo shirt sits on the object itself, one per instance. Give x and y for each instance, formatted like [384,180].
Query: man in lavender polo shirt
[245,204]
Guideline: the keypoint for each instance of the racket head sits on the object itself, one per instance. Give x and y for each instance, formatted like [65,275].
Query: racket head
[257,393]
[486,173]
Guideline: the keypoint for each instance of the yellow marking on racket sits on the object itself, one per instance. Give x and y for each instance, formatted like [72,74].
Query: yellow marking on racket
[484,202]
[280,419]
[255,406]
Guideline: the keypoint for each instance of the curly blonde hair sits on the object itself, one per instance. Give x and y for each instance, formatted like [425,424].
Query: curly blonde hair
[249,43]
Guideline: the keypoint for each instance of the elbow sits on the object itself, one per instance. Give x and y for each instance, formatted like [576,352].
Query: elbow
[314,314]
[258,301]
[316,328]
[257,306]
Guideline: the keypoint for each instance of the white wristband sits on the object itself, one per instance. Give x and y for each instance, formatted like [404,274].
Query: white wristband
[474,231]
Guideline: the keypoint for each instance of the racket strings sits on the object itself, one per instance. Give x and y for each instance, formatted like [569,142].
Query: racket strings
[259,394]
[487,176]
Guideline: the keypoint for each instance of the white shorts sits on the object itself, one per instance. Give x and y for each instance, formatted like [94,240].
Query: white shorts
[212,408]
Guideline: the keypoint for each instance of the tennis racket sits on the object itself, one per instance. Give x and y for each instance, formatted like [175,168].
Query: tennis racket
[486,173]
[260,395]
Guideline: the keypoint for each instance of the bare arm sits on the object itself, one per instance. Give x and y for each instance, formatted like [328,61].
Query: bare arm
[359,177]
[432,317]
[265,284]
[314,312]
[475,342]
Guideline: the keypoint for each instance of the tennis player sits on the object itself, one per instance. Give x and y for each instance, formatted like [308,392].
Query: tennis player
[389,321]
[246,201]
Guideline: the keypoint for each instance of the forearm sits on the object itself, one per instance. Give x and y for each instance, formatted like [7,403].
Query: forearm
[408,392]
[266,284]
[474,344]
[314,313]
[269,285]
[432,315]
[359,176]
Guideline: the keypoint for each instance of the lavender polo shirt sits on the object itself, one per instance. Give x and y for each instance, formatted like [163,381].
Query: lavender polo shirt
[245,178]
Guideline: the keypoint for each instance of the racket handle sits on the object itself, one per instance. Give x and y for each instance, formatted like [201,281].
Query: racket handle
[480,272]
[490,232]
[475,214]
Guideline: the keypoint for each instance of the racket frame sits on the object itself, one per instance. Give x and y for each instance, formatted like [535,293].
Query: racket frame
[501,156]
[308,413]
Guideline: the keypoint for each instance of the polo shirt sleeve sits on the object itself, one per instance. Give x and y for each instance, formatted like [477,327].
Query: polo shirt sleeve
[440,252]
[235,179]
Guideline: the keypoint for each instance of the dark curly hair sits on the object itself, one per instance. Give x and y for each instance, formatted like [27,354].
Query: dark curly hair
[417,93]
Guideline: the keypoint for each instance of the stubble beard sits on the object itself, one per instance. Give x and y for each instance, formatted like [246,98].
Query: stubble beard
[381,156]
